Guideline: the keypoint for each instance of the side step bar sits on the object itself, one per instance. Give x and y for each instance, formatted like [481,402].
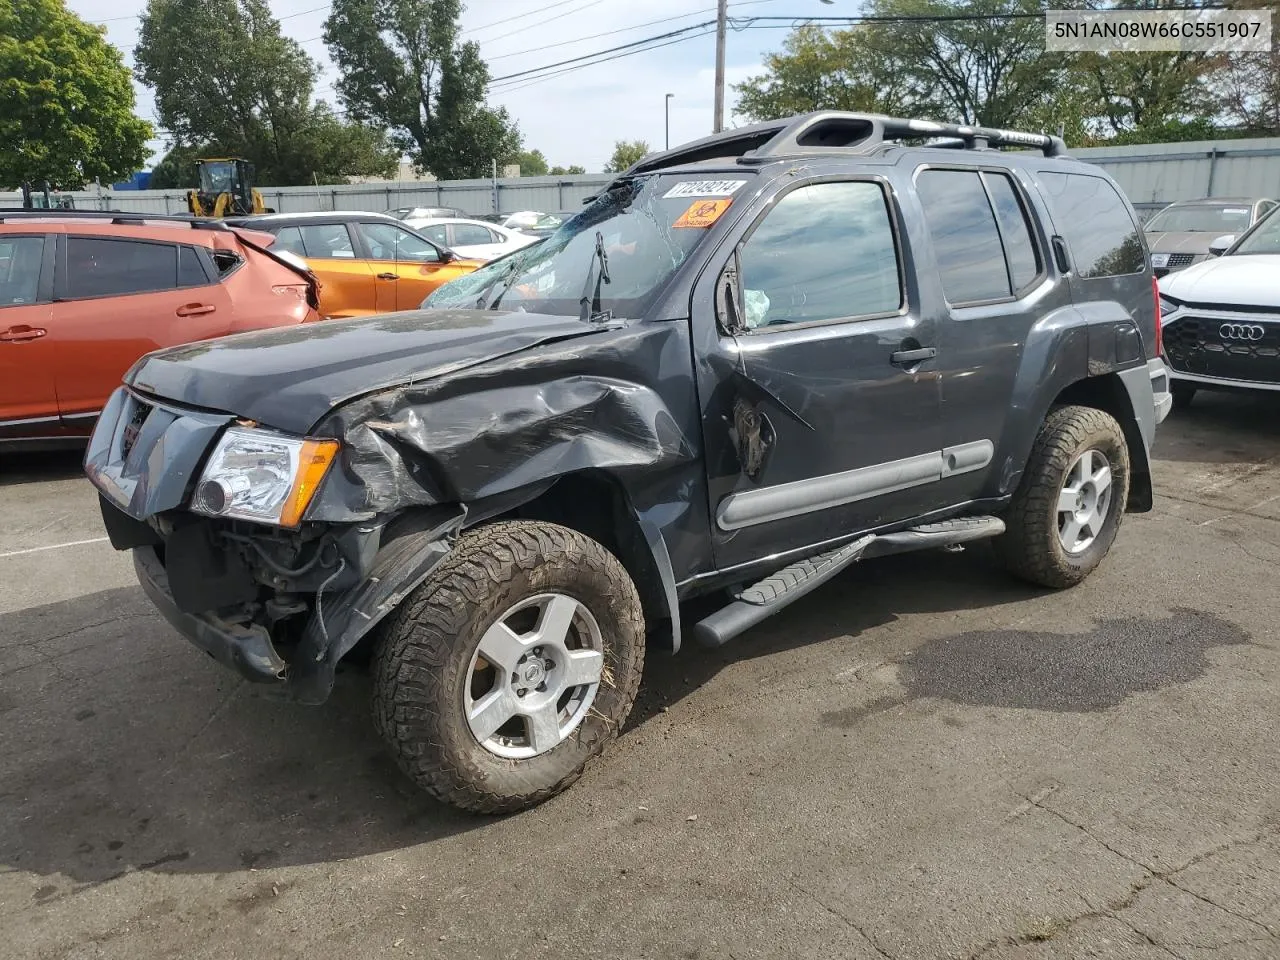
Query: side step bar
[762,600]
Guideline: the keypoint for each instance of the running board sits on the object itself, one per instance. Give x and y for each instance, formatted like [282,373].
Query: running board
[947,533]
[778,590]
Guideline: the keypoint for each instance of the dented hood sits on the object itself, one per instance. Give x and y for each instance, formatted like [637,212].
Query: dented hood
[290,377]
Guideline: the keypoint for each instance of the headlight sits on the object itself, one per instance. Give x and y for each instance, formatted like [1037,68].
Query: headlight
[1168,306]
[262,476]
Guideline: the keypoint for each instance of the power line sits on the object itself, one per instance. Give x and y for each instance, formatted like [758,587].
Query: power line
[610,33]
[558,16]
[521,16]
[303,13]
[520,85]
[588,56]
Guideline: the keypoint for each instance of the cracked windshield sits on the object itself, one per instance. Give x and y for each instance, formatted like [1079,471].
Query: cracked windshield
[613,259]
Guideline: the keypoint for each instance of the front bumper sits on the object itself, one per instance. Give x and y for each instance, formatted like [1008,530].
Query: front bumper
[247,649]
[303,669]
[285,631]
[1221,347]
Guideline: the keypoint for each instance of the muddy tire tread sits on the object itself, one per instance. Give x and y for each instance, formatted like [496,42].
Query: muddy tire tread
[419,638]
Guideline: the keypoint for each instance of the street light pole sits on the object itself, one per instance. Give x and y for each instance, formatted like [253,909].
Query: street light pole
[667,106]
[722,25]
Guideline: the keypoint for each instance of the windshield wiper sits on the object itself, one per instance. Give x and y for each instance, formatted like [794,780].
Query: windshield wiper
[590,301]
[502,282]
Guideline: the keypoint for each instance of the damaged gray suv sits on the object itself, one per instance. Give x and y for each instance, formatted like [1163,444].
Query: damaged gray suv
[748,363]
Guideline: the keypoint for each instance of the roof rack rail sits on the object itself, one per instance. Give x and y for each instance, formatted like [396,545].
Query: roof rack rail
[834,131]
[112,216]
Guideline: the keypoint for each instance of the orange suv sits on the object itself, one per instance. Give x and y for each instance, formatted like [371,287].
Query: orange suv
[84,295]
[366,262]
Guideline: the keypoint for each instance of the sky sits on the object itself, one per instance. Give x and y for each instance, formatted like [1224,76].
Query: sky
[576,117]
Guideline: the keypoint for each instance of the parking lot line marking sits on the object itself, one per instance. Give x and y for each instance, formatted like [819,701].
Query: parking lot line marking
[52,546]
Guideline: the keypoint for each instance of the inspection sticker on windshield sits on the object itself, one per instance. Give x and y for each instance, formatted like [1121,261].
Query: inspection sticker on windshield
[1235,210]
[704,188]
[702,213]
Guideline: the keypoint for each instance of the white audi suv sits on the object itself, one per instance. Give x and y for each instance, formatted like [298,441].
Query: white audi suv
[1221,318]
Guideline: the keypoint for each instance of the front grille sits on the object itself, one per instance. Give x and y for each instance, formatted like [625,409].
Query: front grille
[1180,260]
[1230,349]
[134,426]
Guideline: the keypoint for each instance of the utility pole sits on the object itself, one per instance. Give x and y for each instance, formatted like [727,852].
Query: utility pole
[722,25]
[667,103]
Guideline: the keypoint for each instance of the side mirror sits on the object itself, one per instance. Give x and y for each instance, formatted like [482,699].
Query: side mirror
[1220,245]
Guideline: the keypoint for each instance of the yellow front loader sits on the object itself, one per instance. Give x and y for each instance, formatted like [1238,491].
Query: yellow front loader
[226,189]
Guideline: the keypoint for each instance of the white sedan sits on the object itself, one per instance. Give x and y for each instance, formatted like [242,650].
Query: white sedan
[471,238]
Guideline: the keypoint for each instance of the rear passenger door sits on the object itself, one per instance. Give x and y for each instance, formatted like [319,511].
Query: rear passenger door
[28,400]
[117,299]
[346,278]
[989,258]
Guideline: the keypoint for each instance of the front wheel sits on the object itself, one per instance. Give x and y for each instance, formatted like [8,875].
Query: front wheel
[511,667]
[1070,501]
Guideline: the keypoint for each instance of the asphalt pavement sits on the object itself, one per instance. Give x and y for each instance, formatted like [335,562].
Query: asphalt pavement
[923,759]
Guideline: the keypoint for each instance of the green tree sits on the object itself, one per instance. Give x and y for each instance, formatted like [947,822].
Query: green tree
[824,70]
[558,171]
[983,67]
[228,82]
[177,168]
[403,67]
[532,163]
[66,100]
[625,153]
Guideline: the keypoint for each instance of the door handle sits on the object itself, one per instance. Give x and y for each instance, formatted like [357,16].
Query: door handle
[388,276]
[906,358]
[1060,254]
[22,334]
[195,309]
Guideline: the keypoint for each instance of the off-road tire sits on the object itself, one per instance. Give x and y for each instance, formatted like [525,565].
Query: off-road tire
[1030,548]
[423,655]
[1183,393]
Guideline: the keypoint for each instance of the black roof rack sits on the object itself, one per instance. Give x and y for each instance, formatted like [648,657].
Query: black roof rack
[112,216]
[832,131]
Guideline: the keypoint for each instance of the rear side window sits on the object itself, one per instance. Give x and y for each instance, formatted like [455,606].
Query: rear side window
[111,268]
[190,269]
[437,232]
[20,259]
[289,239]
[327,241]
[824,252]
[470,235]
[966,242]
[1015,232]
[1101,235]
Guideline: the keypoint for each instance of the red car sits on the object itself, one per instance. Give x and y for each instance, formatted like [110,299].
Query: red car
[84,295]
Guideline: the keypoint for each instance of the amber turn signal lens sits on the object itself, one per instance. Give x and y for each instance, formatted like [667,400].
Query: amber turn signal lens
[313,464]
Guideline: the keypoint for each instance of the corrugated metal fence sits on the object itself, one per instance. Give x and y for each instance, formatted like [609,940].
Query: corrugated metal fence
[1151,174]
[546,194]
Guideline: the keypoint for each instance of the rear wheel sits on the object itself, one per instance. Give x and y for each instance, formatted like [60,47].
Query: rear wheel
[1182,394]
[1069,504]
[511,667]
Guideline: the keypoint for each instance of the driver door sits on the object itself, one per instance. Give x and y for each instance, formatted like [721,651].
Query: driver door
[819,387]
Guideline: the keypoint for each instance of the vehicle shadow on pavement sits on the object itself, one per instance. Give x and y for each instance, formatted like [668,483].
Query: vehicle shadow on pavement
[1222,428]
[867,595]
[126,749]
[41,467]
